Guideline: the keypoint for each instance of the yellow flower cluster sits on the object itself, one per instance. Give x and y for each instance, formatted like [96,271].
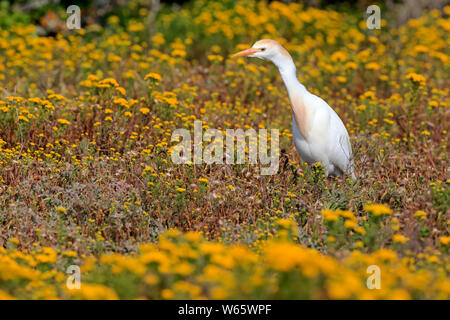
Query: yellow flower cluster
[416,78]
[186,265]
[378,209]
[86,125]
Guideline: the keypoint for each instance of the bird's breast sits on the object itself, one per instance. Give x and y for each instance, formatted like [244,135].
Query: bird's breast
[300,115]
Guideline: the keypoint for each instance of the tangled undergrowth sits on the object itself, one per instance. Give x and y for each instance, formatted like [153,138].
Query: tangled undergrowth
[86,175]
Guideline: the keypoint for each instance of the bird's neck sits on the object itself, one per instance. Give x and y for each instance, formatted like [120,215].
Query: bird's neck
[296,92]
[289,75]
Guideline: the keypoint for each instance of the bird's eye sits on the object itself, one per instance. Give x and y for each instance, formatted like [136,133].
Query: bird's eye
[262,49]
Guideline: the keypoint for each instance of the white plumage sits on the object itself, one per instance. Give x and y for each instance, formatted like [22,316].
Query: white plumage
[318,132]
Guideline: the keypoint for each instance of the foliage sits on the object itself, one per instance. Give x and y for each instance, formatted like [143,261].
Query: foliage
[85,142]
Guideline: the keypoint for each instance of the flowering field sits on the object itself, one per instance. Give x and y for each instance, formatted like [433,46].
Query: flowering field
[87,179]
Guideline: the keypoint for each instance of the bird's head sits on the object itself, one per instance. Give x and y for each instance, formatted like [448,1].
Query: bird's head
[265,49]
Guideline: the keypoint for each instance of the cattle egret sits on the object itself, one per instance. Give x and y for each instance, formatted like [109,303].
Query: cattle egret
[318,132]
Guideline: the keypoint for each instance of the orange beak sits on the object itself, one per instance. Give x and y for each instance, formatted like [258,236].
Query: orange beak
[245,53]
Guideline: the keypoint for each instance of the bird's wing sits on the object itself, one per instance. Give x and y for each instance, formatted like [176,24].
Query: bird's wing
[341,152]
[329,124]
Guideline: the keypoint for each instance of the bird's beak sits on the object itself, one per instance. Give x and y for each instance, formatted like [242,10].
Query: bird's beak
[245,53]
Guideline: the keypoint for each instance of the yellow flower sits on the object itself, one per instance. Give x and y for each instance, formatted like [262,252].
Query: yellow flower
[420,49]
[399,238]
[180,189]
[151,279]
[183,268]
[144,110]
[219,293]
[378,209]
[416,78]
[179,53]
[359,244]
[433,104]
[113,19]
[158,39]
[109,81]
[48,255]
[153,76]
[329,215]
[15,241]
[61,209]
[71,254]
[372,66]
[4,295]
[213,57]
[420,214]
[445,240]
[350,224]
[193,236]
[136,27]
[148,169]
[171,101]
[399,294]
[63,121]
[338,56]
[395,224]
[167,294]
[346,214]
[122,102]
[286,223]
[94,292]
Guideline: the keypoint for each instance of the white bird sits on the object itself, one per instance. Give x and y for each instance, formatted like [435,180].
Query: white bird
[318,132]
